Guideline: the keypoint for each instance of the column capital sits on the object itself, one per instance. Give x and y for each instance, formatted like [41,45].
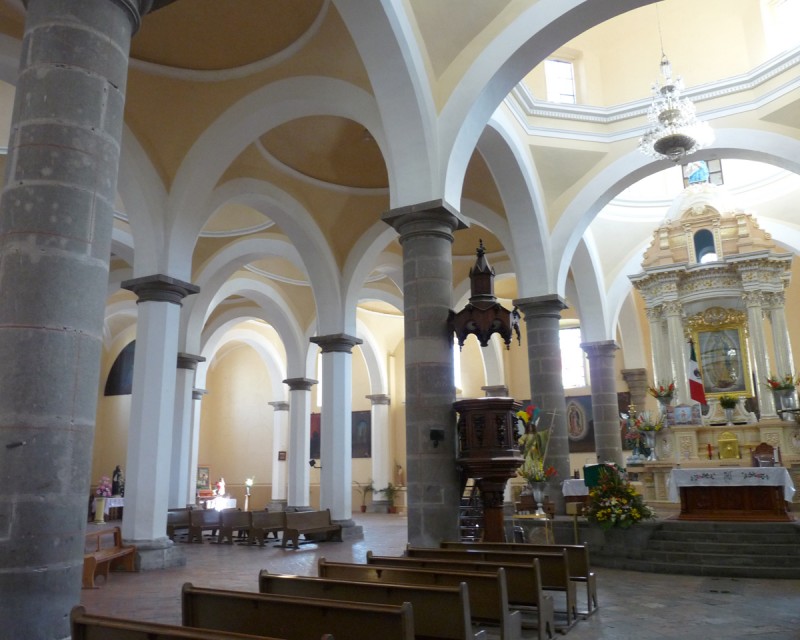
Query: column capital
[300,384]
[541,306]
[495,390]
[634,375]
[425,218]
[339,342]
[378,398]
[160,288]
[672,308]
[189,361]
[197,394]
[753,299]
[600,348]
[279,405]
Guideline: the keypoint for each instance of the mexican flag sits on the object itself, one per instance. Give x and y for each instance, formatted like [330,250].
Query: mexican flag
[696,390]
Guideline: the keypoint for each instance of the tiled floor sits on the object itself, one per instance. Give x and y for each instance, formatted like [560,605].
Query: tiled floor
[632,605]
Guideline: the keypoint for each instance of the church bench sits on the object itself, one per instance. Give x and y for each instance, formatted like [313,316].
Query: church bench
[233,520]
[86,626]
[201,520]
[177,522]
[526,579]
[580,570]
[439,612]
[488,594]
[104,550]
[314,525]
[293,618]
[263,523]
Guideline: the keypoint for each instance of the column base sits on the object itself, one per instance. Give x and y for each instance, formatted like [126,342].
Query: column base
[278,505]
[298,508]
[379,506]
[350,530]
[158,554]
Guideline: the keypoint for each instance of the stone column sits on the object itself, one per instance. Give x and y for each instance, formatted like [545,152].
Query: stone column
[280,442]
[336,432]
[434,487]
[636,379]
[755,320]
[662,366]
[605,408]
[782,346]
[382,462]
[150,431]
[197,406]
[677,351]
[56,217]
[297,494]
[182,483]
[542,315]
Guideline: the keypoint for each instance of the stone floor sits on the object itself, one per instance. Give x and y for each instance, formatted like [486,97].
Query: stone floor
[632,605]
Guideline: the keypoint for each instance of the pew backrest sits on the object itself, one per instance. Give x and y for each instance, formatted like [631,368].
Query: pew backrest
[293,618]
[488,593]
[232,521]
[265,522]
[439,612]
[311,524]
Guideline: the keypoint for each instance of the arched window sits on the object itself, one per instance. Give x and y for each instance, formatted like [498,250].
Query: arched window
[573,358]
[120,378]
[704,248]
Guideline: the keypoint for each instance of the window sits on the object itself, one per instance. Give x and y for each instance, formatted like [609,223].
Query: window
[560,78]
[456,364]
[573,358]
[704,249]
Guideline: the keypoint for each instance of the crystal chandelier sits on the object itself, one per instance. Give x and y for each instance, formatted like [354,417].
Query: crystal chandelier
[674,130]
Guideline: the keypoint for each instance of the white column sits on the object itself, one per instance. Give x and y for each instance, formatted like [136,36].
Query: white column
[180,485]
[677,351]
[662,365]
[382,462]
[280,444]
[336,475]
[755,325]
[197,409]
[782,346]
[298,489]
[152,408]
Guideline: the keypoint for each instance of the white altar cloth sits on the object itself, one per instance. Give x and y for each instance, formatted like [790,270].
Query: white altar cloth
[221,503]
[574,487]
[730,476]
[111,503]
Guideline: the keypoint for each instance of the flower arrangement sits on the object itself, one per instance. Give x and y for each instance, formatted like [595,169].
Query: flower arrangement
[728,401]
[103,487]
[789,381]
[533,445]
[645,422]
[662,391]
[614,503]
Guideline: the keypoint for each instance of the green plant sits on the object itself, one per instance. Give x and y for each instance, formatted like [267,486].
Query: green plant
[365,490]
[614,503]
[727,401]
[390,492]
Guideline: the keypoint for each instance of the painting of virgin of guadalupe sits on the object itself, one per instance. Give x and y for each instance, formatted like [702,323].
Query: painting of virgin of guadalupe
[722,361]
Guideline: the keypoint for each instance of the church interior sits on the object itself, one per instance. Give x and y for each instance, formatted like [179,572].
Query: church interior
[288,201]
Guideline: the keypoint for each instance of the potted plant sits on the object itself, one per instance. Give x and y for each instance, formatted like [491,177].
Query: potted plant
[365,490]
[390,492]
[728,402]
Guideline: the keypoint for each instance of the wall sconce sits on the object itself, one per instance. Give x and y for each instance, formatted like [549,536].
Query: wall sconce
[436,435]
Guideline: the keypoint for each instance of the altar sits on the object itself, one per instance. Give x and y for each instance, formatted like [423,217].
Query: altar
[735,493]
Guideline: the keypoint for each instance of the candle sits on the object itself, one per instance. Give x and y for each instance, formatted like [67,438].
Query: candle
[709,451]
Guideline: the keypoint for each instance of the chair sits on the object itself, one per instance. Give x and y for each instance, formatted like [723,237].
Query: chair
[763,455]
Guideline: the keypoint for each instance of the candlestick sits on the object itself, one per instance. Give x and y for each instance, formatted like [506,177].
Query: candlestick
[709,451]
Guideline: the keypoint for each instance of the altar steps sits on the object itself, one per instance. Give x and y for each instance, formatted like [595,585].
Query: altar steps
[722,549]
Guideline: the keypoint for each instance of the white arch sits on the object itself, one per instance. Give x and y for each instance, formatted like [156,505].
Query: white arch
[588,277]
[376,365]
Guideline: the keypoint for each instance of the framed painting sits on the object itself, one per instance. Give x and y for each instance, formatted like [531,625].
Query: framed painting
[203,478]
[362,434]
[720,343]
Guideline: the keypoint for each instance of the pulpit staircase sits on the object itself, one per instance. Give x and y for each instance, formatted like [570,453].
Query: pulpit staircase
[470,513]
[721,549]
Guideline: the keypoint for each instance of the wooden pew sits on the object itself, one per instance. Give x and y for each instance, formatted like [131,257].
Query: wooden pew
[439,612]
[294,618]
[488,593]
[526,578]
[233,520]
[177,522]
[314,525]
[580,570]
[87,626]
[263,523]
[104,550]
[201,520]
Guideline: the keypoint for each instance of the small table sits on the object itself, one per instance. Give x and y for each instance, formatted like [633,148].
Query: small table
[733,493]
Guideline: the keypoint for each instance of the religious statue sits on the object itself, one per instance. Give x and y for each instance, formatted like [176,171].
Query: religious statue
[221,487]
[117,482]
